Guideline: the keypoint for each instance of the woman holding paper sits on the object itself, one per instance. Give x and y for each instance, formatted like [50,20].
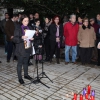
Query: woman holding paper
[22,52]
[86,38]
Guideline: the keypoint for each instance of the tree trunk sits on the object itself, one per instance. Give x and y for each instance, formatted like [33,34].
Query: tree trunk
[10,11]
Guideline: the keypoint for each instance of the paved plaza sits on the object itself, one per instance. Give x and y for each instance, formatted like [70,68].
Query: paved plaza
[67,79]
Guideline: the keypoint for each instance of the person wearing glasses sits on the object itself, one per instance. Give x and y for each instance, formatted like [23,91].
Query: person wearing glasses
[86,38]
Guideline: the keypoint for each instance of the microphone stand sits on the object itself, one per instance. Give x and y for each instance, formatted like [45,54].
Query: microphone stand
[38,78]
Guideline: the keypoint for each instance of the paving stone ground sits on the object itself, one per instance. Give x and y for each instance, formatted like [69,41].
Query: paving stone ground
[67,79]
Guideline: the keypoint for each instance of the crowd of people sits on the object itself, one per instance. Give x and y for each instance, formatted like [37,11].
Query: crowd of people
[79,36]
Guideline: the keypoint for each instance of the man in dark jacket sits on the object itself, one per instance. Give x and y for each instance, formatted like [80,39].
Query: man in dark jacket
[9,28]
[3,22]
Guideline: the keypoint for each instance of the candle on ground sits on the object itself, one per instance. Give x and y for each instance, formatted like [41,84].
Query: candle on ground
[92,97]
[75,96]
[84,91]
[81,97]
[93,93]
[86,96]
[89,89]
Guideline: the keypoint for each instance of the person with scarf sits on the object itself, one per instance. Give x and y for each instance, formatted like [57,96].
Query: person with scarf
[86,38]
[21,52]
[56,35]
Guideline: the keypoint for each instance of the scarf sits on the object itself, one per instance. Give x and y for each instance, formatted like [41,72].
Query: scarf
[24,28]
[84,27]
[57,35]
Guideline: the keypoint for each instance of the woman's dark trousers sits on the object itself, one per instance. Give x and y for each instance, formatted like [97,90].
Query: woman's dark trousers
[22,61]
[85,54]
[54,47]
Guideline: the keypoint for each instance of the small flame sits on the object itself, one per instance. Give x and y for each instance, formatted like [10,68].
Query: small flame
[72,93]
[67,95]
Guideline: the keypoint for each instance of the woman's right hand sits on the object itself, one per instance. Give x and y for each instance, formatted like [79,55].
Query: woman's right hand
[57,40]
[24,37]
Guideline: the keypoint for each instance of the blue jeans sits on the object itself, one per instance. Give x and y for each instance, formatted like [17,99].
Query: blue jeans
[67,51]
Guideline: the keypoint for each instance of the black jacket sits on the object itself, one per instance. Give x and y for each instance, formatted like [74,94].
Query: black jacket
[46,31]
[53,31]
[98,36]
[19,42]
[37,42]
[32,23]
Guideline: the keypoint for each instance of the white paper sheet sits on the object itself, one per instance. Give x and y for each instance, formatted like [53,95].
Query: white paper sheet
[29,34]
[33,50]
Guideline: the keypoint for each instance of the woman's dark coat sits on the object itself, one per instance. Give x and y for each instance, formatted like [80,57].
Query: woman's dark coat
[53,30]
[19,42]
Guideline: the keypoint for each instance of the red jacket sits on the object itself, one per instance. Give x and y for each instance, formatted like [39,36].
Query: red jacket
[70,34]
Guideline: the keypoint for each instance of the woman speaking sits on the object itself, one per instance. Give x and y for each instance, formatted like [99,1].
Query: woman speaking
[21,51]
